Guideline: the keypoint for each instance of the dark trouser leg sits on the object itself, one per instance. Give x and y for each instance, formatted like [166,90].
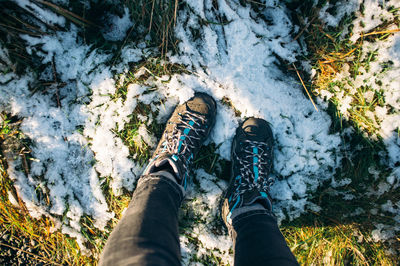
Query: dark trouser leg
[259,241]
[148,232]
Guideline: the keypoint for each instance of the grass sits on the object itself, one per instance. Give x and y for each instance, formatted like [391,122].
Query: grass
[158,18]
[333,236]
[15,224]
[330,52]
[15,20]
[55,247]
[327,237]
[334,245]
[140,74]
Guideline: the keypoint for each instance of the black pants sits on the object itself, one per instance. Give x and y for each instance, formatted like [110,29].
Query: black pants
[148,232]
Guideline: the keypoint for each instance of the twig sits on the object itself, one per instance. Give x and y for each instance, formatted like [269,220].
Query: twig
[27,25]
[255,2]
[326,34]
[175,11]
[350,52]
[30,253]
[122,46]
[25,164]
[309,96]
[21,30]
[52,83]
[151,15]
[55,81]
[303,29]
[340,56]
[380,32]
[151,73]
[66,13]
[213,162]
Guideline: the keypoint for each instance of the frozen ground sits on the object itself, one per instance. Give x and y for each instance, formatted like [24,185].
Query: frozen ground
[378,80]
[233,54]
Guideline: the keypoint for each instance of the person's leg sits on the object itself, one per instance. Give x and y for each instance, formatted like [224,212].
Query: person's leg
[258,240]
[148,232]
[246,208]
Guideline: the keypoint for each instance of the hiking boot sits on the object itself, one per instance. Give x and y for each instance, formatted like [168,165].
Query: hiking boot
[252,157]
[185,132]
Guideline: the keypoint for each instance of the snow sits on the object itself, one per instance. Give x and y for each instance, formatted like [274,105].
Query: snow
[146,137]
[61,156]
[12,199]
[104,116]
[378,77]
[381,77]
[341,10]
[40,13]
[76,144]
[204,202]
[117,27]
[374,14]
[383,232]
[238,61]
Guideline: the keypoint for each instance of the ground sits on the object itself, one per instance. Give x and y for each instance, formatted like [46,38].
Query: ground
[86,89]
